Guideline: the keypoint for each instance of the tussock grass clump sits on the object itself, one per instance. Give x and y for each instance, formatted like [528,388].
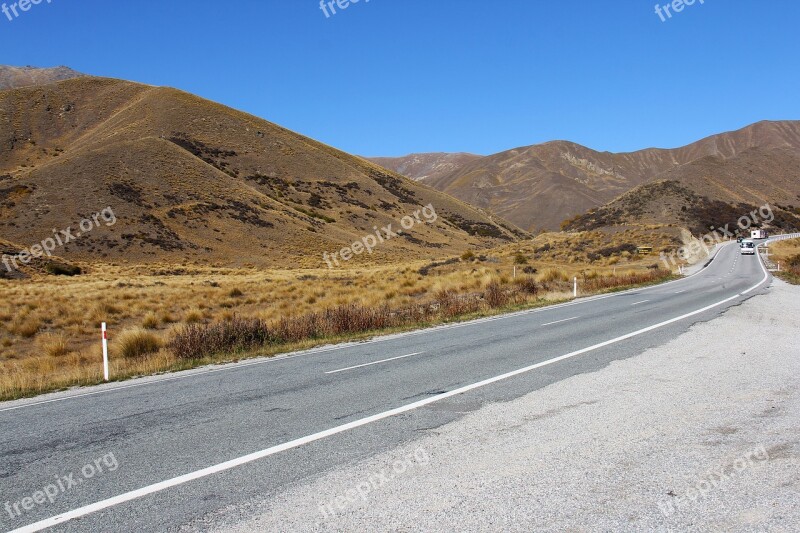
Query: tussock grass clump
[551,274]
[53,344]
[103,312]
[150,321]
[26,327]
[193,316]
[137,342]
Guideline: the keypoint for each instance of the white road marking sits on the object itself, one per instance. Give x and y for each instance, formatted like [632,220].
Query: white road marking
[560,321]
[643,301]
[766,276]
[373,363]
[681,292]
[233,463]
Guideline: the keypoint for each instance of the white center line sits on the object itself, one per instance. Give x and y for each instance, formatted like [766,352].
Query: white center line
[560,321]
[681,292]
[637,303]
[374,363]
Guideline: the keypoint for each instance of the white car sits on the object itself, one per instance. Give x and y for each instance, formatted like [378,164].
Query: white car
[748,247]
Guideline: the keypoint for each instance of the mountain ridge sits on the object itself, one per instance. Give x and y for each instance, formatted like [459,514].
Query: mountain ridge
[538,186]
[16,77]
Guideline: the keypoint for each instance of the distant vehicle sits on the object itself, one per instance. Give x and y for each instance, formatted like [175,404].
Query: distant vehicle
[748,247]
[739,240]
[758,234]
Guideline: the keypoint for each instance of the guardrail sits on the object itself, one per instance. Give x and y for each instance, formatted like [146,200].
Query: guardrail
[784,237]
[771,266]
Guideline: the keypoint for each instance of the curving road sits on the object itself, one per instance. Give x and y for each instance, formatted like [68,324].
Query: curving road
[160,453]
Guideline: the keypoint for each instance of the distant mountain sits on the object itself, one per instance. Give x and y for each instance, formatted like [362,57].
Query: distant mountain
[16,77]
[193,181]
[537,187]
[425,166]
[671,203]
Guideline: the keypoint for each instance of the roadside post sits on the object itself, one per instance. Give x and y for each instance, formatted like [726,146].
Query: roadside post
[575,287]
[105,352]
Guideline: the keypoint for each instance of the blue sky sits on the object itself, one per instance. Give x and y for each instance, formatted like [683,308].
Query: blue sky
[390,77]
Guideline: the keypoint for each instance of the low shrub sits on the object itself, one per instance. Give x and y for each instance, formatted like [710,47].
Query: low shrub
[195,341]
[61,269]
[527,285]
[495,296]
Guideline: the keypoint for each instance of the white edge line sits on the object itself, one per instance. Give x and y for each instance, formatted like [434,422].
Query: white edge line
[764,268]
[221,467]
[382,338]
[373,363]
[560,321]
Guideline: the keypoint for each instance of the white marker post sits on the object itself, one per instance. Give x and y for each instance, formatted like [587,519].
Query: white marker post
[105,352]
[575,287]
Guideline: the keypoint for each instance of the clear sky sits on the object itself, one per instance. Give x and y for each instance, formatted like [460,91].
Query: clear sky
[390,77]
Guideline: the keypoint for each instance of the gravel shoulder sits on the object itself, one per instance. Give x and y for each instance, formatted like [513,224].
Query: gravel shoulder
[700,434]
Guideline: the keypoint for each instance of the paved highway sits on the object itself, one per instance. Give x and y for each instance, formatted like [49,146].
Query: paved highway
[160,453]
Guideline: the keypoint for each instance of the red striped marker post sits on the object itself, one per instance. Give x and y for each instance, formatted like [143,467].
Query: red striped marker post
[105,352]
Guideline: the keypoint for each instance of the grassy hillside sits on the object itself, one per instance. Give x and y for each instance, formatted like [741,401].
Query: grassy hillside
[191,181]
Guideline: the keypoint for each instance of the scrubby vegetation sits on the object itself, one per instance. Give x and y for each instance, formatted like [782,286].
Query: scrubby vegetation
[170,317]
[787,254]
[234,335]
[62,269]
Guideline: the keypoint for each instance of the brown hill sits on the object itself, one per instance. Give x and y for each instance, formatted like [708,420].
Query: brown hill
[671,203]
[191,180]
[16,77]
[425,166]
[540,186]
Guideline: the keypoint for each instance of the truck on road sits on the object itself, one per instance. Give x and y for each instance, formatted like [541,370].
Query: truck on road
[758,234]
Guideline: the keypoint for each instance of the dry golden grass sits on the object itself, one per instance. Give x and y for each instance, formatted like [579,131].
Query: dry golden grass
[787,255]
[137,342]
[50,328]
[53,344]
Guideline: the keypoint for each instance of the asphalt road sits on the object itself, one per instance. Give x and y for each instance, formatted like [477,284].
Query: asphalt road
[161,453]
